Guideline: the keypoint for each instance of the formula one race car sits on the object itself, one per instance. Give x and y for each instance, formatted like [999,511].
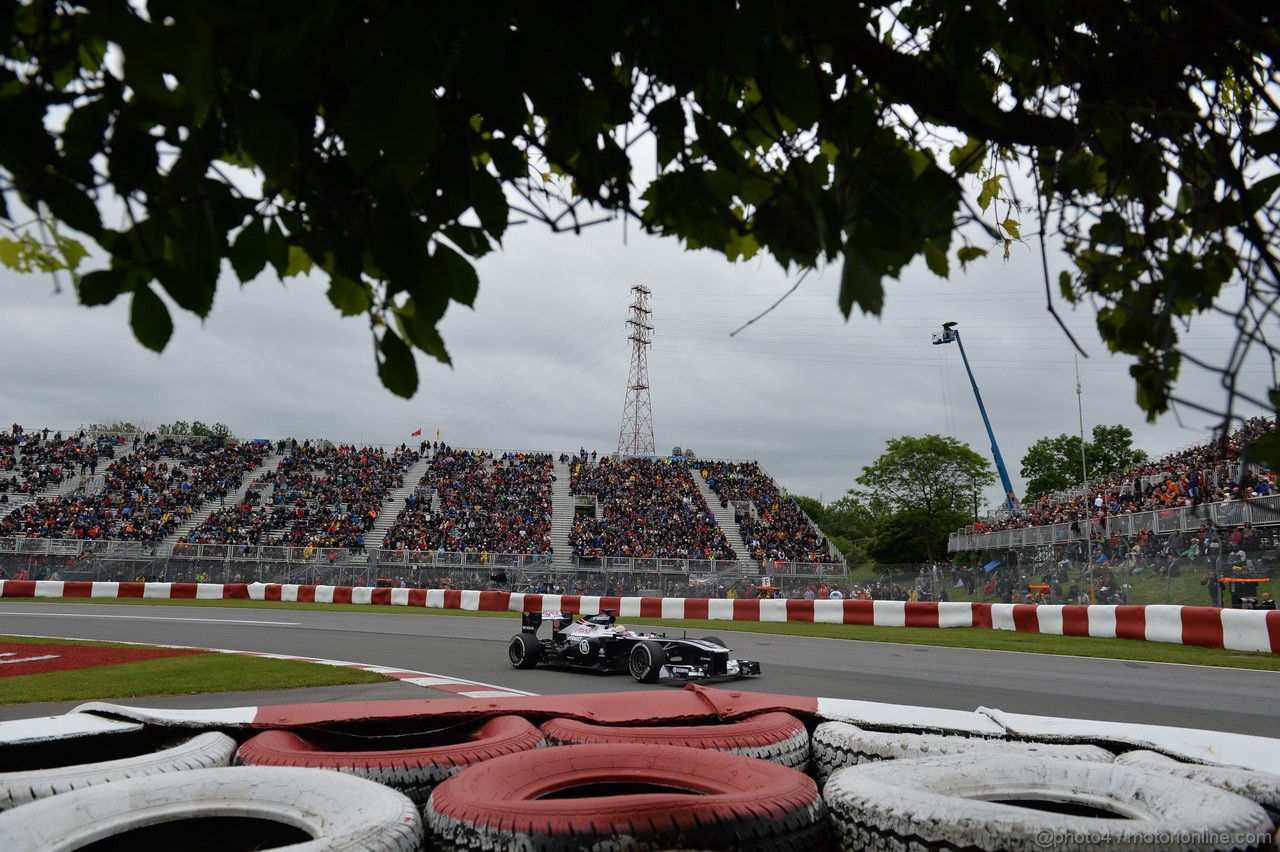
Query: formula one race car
[599,643]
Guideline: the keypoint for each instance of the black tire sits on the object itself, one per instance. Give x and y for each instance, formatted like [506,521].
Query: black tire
[777,737]
[227,808]
[984,801]
[646,660]
[524,650]
[412,767]
[633,797]
[201,751]
[840,744]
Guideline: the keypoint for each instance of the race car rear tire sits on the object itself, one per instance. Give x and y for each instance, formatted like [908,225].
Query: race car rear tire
[524,650]
[653,796]
[223,808]
[646,660]
[985,801]
[1260,787]
[413,771]
[840,744]
[777,737]
[194,752]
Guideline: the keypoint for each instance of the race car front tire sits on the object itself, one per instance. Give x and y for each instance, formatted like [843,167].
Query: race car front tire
[224,808]
[646,660]
[777,737]
[650,796]
[524,650]
[414,771]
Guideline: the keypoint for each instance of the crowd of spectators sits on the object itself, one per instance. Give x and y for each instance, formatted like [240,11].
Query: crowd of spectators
[148,488]
[482,505]
[322,496]
[34,462]
[646,508]
[777,530]
[1211,472]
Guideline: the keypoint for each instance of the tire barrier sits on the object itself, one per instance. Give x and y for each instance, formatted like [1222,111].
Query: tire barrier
[412,764]
[777,737]
[706,712]
[55,769]
[239,807]
[1260,787]
[986,801]
[1210,627]
[696,704]
[840,744]
[656,796]
[1189,744]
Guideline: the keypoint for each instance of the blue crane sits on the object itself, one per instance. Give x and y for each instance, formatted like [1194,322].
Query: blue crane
[950,334]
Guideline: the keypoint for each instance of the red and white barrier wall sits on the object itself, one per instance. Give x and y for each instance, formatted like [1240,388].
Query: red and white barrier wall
[1210,627]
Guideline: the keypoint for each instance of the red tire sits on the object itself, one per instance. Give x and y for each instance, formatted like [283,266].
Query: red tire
[776,737]
[656,796]
[412,768]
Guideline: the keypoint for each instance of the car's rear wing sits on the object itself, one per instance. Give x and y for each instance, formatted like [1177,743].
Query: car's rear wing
[531,621]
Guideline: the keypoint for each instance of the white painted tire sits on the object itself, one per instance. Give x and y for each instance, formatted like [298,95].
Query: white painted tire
[840,744]
[313,809]
[967,801]
[199,752]
[1260,787]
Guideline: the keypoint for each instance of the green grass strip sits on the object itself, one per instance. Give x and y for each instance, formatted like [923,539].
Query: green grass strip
[175,676]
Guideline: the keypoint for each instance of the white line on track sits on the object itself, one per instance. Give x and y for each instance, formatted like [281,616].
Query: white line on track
[27,613]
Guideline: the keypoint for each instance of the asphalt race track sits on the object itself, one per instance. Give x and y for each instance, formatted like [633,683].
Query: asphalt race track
[475,649]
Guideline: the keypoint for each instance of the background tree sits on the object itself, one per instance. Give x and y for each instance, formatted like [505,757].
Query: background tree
[196,428]
[390,145]
[120,427]
[848,523]
[1111,451]
[931,477]
[1053,464]
[912,536]
[812,507]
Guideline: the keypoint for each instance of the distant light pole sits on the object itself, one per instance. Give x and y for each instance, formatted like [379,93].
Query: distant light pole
[949,334]
[1084,487]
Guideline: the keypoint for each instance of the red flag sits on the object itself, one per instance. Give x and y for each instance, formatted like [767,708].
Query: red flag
[415,433]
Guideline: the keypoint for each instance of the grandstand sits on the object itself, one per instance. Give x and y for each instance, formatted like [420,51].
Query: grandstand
[1204,511]
[110,506]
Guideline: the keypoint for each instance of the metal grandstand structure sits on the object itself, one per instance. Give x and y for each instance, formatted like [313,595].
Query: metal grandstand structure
[635,438]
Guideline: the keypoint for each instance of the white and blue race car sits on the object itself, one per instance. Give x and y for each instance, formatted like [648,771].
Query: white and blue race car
[599,643]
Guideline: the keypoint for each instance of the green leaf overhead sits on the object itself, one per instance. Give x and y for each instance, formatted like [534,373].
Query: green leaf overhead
[150,319]
[392,144]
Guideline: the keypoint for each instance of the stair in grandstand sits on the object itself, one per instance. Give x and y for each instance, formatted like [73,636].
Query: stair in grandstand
[723,515]
[394,503]
[64,488]
[201,514]
[561,518]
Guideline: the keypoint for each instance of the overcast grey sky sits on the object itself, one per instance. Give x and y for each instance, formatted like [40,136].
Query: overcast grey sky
[542,362]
